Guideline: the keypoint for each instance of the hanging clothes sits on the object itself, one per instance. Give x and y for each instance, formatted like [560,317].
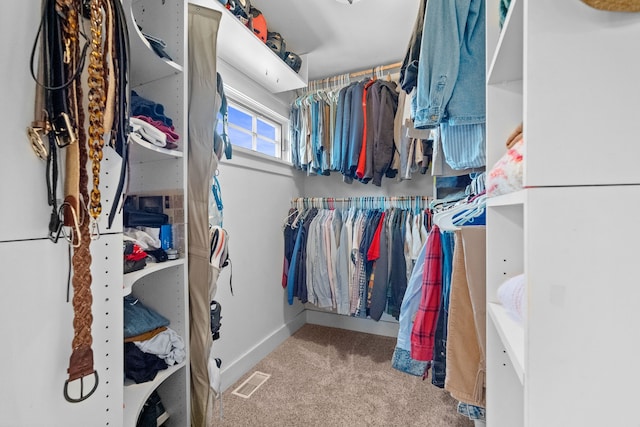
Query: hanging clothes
[351,261]
[350,131]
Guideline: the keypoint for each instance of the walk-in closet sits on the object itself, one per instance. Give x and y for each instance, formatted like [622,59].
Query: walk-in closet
[319,213]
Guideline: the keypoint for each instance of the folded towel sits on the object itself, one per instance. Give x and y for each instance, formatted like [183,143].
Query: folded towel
[512,294]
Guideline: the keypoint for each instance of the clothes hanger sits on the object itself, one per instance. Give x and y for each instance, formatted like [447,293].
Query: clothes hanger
[475,215]
[462,213]
[444,219]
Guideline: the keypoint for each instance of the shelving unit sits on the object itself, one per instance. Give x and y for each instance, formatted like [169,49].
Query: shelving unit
[248,54]
[162,287]
[560,230]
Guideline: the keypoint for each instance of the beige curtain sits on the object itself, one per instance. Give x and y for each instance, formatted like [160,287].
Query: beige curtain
[203,105]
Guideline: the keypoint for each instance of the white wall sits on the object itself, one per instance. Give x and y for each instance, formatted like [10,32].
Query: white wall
[257,317]
[333,186]
[256,192]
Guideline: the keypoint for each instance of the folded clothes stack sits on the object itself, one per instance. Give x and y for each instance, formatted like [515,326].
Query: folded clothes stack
[150,345]
[150,123]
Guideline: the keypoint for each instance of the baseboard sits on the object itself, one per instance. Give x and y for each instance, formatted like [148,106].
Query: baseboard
[247,361]
[387,326]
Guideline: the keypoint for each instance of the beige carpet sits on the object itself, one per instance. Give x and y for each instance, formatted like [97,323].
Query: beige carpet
[332,377]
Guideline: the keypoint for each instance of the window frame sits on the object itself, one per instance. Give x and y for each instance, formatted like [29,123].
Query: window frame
[257,112]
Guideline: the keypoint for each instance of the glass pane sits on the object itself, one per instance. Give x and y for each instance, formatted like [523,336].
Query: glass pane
[266,129]
[267,147]
[219,124]
[240,138]
[239,118]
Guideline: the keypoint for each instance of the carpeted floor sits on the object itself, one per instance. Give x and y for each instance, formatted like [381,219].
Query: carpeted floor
[332,377]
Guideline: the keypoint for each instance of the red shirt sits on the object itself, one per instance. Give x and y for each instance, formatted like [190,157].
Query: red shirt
[424,326]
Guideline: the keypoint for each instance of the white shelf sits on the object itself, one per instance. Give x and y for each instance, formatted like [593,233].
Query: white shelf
[510,199]
[131,278]
[142,151]
[241,49]
[512,336]
[149,66]
[507,63]
[135,395]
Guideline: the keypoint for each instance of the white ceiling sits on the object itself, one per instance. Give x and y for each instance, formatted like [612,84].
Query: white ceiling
[339,37]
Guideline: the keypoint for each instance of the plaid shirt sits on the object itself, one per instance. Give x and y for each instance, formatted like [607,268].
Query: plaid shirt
[424,326]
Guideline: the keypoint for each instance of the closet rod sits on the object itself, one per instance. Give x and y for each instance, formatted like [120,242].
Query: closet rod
[355,199]
[361,73]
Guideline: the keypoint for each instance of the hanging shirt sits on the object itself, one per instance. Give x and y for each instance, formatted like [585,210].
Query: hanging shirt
[423,332]
[464,145]
[377,292]
[398,271]
[343,259]
[337,149]
[294,134]
[383,136]
[355,129]
[346,128]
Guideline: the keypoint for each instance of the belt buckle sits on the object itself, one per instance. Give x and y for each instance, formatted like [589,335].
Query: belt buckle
[63,130]
[34,134]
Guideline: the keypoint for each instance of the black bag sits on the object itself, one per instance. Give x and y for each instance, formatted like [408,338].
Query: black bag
[139,218]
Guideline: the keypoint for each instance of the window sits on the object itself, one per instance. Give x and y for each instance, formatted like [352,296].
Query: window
[253,130]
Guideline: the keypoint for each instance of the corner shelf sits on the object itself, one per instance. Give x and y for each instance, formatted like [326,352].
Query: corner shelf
[131,278]
[149,66]
[512,336]
[241,49]
[137,394]
[142,151]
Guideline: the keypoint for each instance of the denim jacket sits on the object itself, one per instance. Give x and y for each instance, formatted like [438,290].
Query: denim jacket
[451,87]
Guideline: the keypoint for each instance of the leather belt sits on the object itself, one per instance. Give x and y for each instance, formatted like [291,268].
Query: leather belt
[52,121]
[120,136]
[76,190]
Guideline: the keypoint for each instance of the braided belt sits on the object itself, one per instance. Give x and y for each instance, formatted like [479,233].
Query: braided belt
[76,191]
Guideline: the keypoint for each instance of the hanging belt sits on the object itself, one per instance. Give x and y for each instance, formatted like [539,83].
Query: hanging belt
[120,136]
[52,121]
[76,199]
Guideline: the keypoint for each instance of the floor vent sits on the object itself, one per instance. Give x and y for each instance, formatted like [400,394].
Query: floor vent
[251,384]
